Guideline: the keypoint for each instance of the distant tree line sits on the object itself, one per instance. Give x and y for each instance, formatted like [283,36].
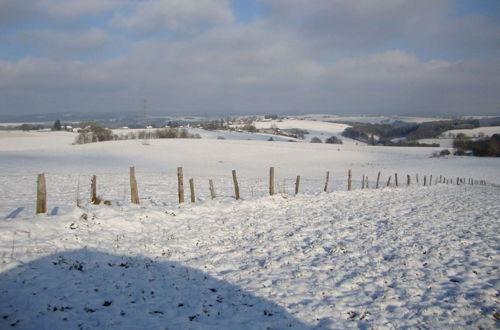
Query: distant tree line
[57,125]
[92,132]
[485,147]
[434,129]
[331,140]
[297,133]
[385,133]
[31,127]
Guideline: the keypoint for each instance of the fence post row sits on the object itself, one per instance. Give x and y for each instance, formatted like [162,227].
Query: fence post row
[297,183]
[212,189]
[180,184]
[271,181]
[349,180]
[93,190]
[236,187]
[41,194]
[191,189]
[326,181]
[41,198]
[134,194]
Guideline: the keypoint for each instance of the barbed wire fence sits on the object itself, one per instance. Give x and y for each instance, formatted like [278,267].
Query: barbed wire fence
[64,192]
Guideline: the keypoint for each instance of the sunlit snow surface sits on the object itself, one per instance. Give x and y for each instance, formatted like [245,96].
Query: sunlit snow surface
[418,257]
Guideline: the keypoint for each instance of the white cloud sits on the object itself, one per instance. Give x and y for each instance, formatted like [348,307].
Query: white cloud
[70,9]
[469,35]
[185,16]
[262,74]
[12,11]
[358,24]
[57,43]
[323,55]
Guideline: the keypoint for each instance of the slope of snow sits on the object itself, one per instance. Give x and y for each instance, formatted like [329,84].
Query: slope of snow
[418,257]
[228,135]
[34,141]
[68,168]
[371,119]
[487,130]
[332,128]
[319,129]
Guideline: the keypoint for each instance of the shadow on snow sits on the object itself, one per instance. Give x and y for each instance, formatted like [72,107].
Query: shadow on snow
[89,289]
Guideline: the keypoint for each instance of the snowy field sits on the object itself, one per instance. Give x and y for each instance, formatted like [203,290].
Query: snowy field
[371,119]
[394,257]
[487,130]
[445,142]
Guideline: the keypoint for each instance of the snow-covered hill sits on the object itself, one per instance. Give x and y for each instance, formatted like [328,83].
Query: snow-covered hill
[386,258]
[393,258]
[315,128]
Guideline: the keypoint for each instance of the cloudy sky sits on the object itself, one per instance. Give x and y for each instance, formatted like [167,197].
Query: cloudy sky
[219,57]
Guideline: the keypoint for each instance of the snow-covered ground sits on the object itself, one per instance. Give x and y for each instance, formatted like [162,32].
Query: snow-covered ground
[370,119]
[445,141]
[315,128]
[233,135]
[397,257]
[475,132]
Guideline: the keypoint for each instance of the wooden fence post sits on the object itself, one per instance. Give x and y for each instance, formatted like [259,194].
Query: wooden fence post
[349,180]
[236,187]
[457,181]
[425,179]
[363,182]
[191,189]
[134,194]
[326,181]
[41,194]
[396,179]
[389,181]
[378,179]
[180,184]
[367,187]
[271,181]
[430,181]
[416,176]
[93,190]
[212,189]
[408,179]
[297,183]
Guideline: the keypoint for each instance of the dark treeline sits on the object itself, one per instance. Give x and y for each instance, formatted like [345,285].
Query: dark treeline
[92,132]
[485,147]
[386,133]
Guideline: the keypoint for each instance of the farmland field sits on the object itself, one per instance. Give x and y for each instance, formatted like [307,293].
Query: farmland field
[406,256]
